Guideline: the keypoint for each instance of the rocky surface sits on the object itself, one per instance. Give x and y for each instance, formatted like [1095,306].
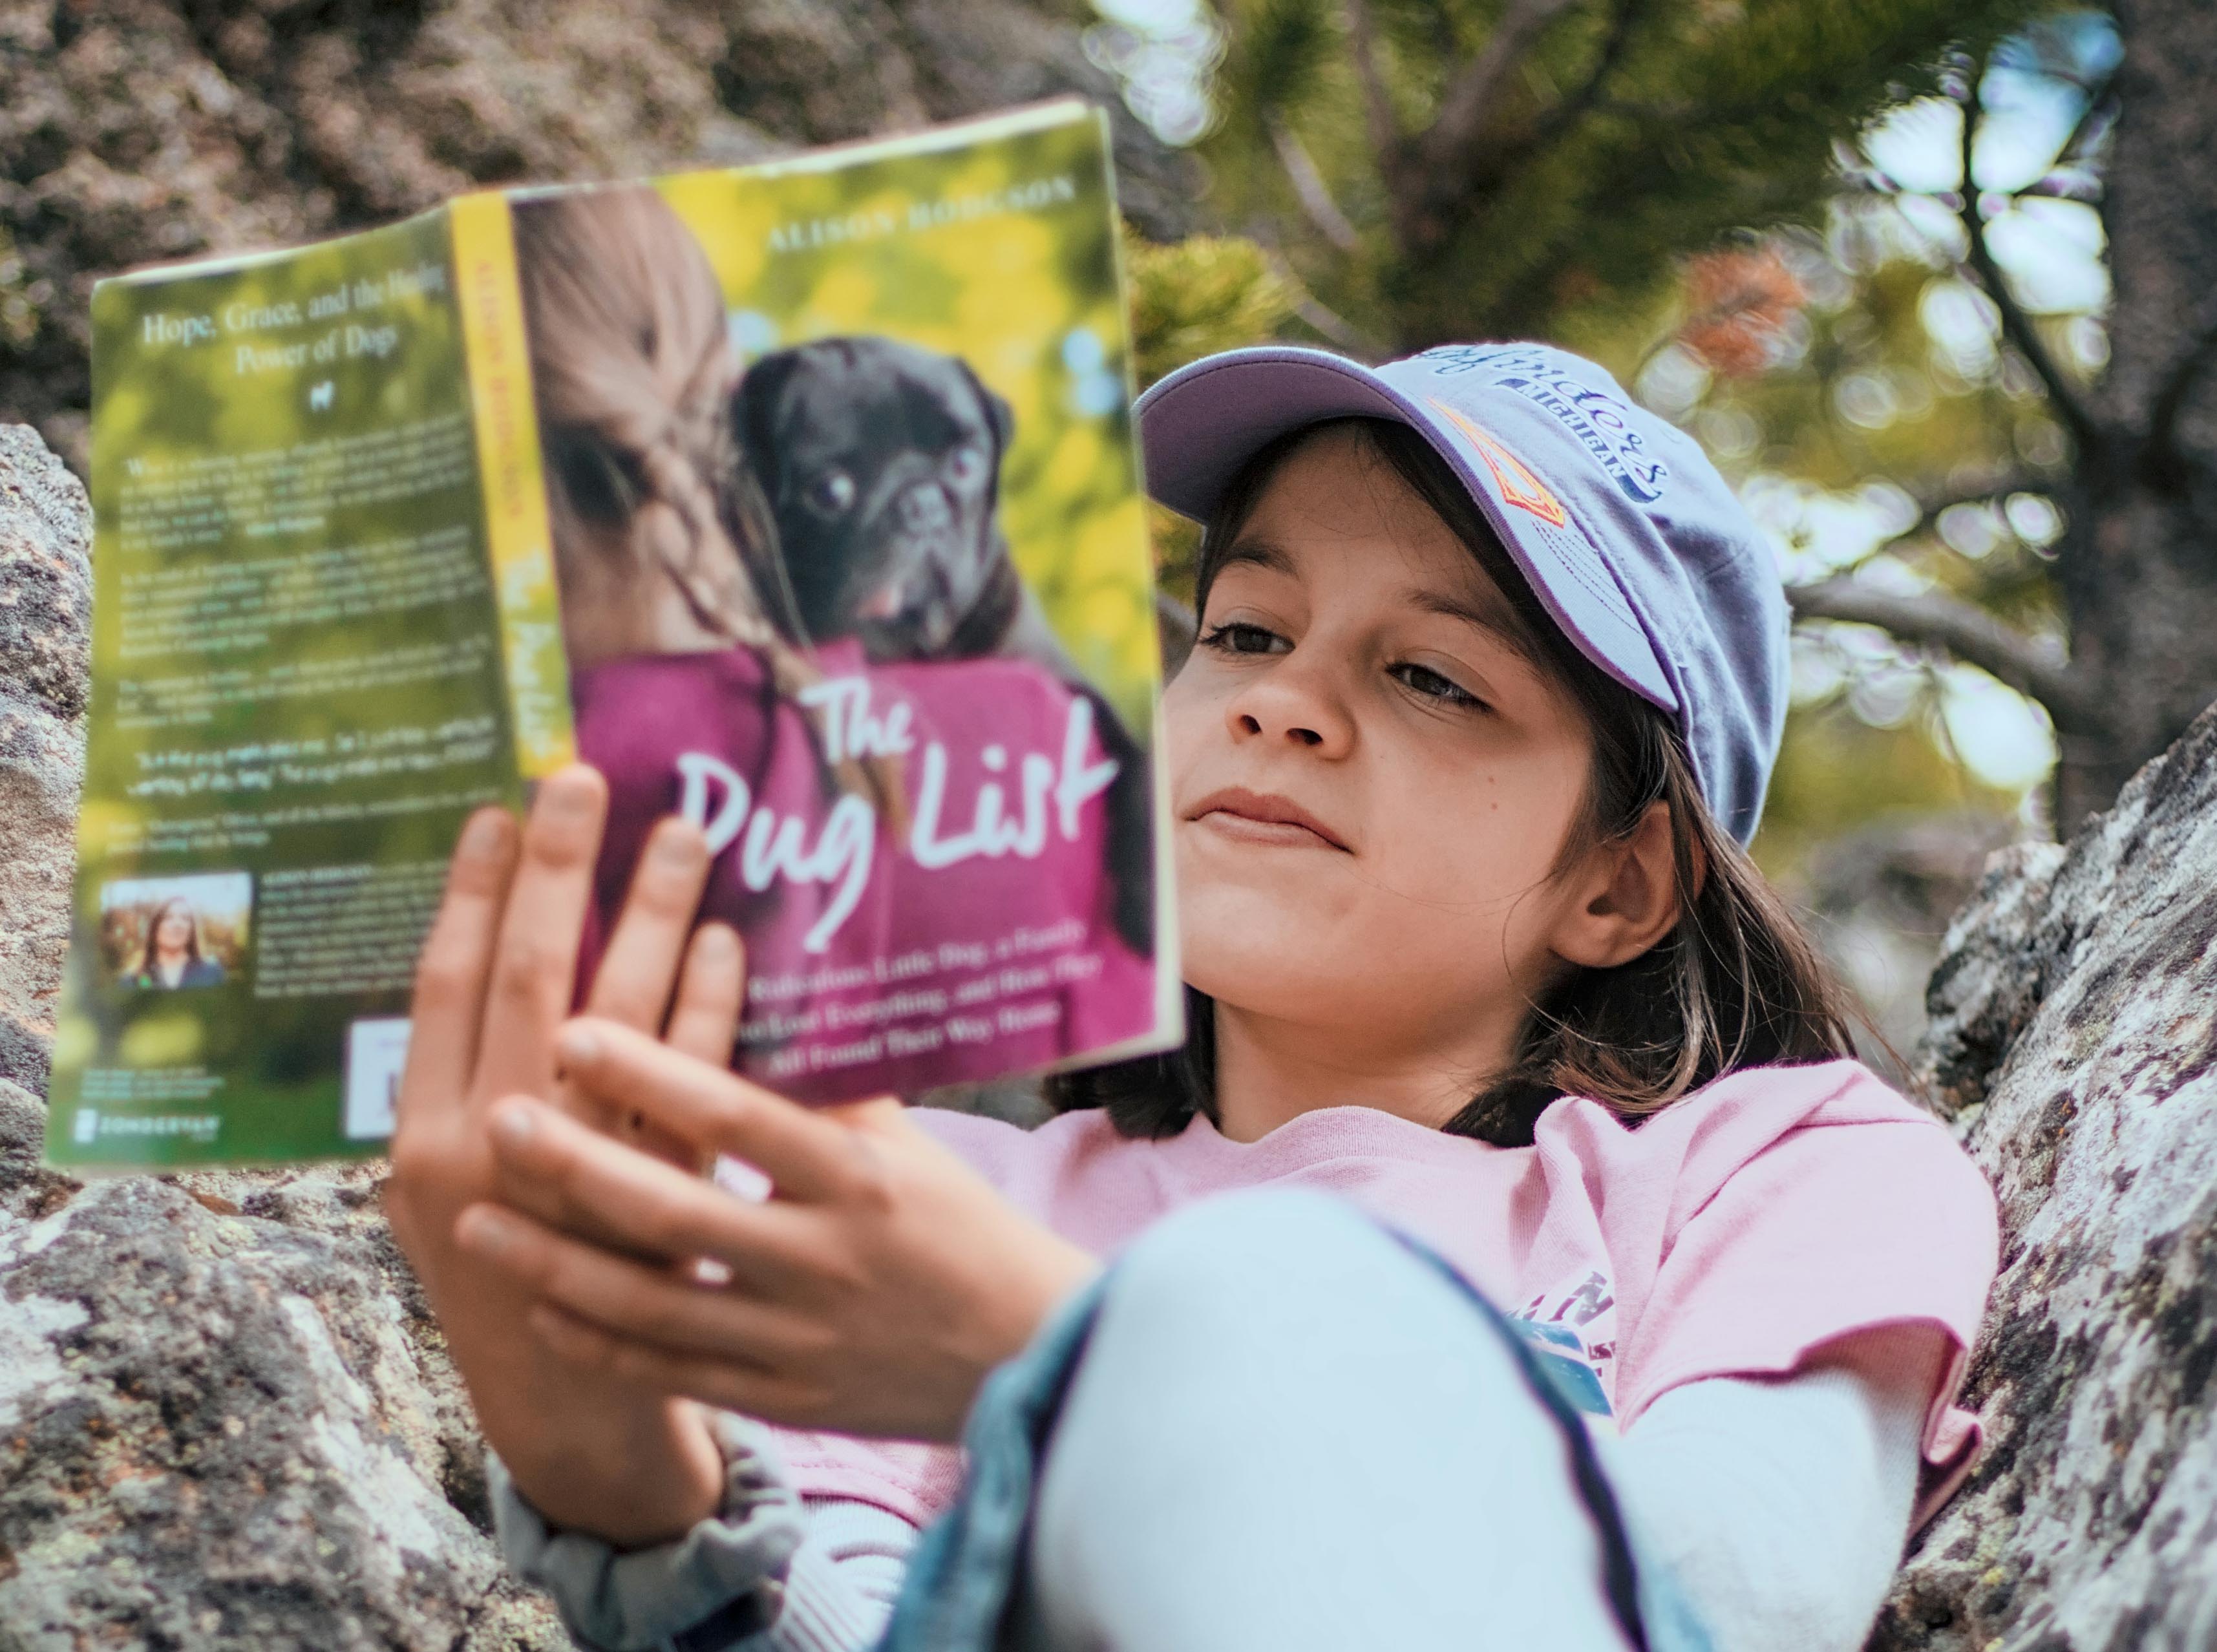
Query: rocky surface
[45,595]
[2073,1039]
[1879,900]
[229,1424]
[136,130]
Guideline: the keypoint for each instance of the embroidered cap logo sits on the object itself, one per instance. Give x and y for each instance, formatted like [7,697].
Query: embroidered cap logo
[1518,486]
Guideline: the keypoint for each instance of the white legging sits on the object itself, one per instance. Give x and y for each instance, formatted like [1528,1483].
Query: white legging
[1288,1432]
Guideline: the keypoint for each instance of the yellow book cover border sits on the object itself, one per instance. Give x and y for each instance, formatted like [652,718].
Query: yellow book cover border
[513,480]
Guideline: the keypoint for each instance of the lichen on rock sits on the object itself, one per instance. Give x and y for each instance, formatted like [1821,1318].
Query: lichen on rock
[2074,1038]
[45,604]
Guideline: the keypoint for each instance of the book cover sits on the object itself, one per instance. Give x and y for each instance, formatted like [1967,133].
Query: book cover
[801,499]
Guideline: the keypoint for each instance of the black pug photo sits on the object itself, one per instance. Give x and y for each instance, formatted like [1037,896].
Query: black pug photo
[880,465]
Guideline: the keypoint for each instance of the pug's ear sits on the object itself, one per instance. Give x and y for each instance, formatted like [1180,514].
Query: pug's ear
[998,413]
[754,411]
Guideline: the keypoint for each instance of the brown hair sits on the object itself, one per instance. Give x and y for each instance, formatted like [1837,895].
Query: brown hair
[1736,983]
[150,951]
[631,373]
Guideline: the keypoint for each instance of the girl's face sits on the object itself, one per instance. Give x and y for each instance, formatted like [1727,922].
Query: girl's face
[173,930]
[1370,780]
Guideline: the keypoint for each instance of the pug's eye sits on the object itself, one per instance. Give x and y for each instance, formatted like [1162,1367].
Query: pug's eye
[965,464]
[831,493]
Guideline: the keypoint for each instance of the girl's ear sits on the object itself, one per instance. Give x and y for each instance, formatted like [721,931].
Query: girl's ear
[1624,898]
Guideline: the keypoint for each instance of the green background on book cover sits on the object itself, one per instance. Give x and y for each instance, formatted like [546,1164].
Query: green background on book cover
[295,669]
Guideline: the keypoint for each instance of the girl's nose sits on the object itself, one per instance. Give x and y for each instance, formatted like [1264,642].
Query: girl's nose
[1287,703]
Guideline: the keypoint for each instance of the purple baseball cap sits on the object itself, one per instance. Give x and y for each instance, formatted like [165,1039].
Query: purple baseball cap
[1629,537]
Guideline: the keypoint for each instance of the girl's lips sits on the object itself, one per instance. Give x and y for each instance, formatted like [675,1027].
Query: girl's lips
[1259,817]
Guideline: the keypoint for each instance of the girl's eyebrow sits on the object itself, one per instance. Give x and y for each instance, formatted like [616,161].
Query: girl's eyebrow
[1259,553]
[1489,614]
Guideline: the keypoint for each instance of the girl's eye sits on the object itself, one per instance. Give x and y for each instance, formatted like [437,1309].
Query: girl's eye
[1432,686]
[1239,637]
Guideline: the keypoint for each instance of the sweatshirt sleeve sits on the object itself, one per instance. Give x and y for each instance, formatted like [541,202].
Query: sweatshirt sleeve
[1776,1509]
[767,1572]
[1833,1232]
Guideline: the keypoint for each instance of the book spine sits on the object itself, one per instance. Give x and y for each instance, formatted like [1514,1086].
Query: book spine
[513,483]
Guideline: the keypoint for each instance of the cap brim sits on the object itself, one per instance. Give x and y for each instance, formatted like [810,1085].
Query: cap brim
[1199,425]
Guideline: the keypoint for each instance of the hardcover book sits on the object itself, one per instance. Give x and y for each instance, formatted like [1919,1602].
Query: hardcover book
[800,499]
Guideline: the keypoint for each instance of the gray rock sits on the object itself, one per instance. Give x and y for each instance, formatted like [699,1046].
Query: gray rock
[220,1429]
[1880,899]
[45,604]
[2073,1040]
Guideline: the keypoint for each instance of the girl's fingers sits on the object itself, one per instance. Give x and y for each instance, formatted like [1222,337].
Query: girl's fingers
[456,964]
[635,1301]
[573,1178]
[724,1384]
[704,1021]
[535,959]
[640,963]
[806,1157]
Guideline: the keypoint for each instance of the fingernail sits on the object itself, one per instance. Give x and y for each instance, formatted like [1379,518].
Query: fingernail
[570,792]
[482,837]
[515,1126]
[578,1045]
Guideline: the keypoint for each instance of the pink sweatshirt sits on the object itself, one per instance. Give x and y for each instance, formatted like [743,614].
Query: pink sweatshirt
[1774,1211]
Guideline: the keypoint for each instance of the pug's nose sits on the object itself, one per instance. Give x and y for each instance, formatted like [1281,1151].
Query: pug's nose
[924,508]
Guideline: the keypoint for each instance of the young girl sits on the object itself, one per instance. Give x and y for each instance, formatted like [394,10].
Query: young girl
[1513,1257]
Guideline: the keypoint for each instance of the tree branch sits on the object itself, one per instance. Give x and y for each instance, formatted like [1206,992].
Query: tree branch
[1456,128]
[1964,630]
[1930,507]
[1377,106]
[1567,112]
[2166,460]
[2017,326]
[1327,320]
[1309,187]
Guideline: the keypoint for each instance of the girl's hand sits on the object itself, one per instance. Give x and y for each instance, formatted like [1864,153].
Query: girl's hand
[869,1292]
[591,1453]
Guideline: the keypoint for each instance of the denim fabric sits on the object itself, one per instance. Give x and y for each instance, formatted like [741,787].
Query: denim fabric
[966,1569]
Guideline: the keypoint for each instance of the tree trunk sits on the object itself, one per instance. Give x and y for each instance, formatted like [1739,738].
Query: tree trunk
[2138,569]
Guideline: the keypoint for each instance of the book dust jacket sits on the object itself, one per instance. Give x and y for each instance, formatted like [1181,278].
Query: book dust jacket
[801,500]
